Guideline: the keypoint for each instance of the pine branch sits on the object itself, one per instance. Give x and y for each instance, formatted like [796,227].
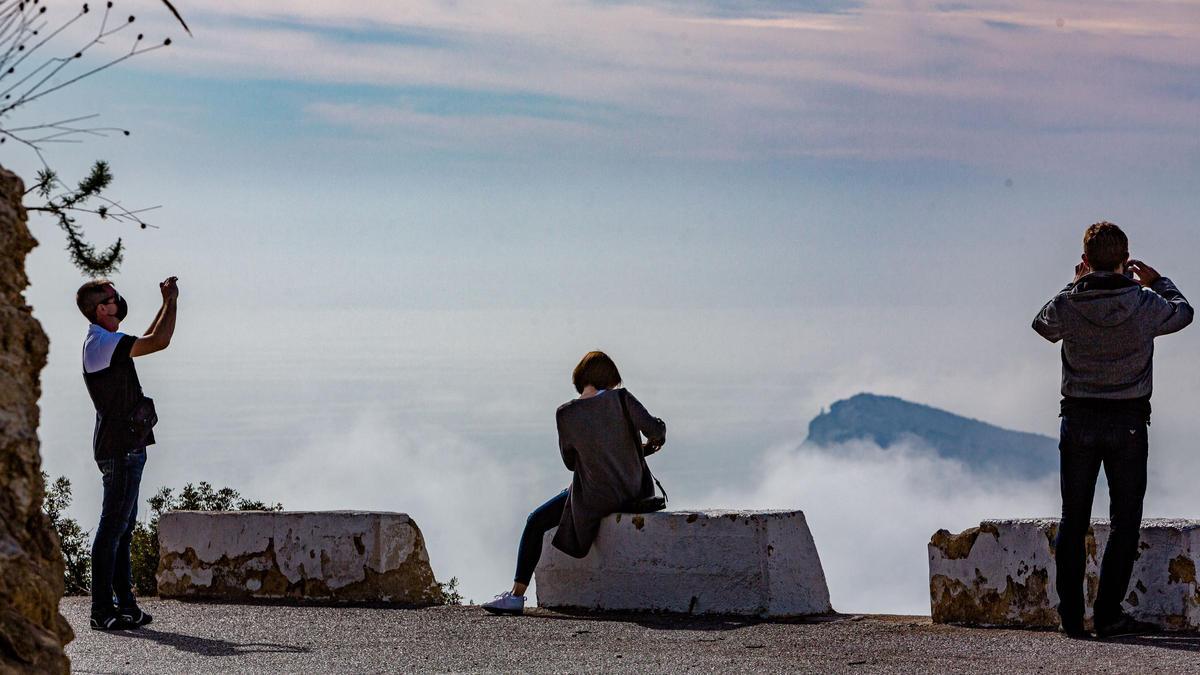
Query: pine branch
[63,203]
[24,81]
[83,254]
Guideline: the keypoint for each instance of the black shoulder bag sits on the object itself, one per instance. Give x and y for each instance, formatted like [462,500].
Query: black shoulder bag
[142,419]
[653,502]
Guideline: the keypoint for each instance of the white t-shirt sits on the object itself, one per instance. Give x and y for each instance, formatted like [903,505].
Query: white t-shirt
[98,348]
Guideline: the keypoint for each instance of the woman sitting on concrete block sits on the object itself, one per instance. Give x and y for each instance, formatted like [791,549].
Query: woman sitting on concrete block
[608,460]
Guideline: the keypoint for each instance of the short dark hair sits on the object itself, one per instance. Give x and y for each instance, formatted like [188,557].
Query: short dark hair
[90,296]
[1106,246]
[597,370]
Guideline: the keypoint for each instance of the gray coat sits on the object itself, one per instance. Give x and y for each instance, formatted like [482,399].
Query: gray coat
[597,446]
[1108,324]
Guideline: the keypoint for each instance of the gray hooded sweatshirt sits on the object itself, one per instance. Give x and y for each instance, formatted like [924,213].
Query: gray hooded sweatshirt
[1108,323]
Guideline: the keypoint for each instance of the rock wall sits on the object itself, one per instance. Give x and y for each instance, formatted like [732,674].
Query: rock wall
[747,563]
[325,556]
[1002,574]
[32,632]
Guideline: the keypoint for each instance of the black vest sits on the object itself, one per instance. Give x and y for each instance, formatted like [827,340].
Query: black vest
[115,391]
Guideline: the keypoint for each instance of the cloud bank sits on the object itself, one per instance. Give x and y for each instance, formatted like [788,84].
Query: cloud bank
[469,504]
[873,510]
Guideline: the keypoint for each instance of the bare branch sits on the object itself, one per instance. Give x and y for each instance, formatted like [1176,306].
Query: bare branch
[23,34]
[69,201]
[27,98]
[177,16]
[48,38]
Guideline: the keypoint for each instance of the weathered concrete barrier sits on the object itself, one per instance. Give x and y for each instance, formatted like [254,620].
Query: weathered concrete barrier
[332,556]
[1002,573]
[696,562]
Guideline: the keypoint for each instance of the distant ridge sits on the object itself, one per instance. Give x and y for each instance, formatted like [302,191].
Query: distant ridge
[887,420]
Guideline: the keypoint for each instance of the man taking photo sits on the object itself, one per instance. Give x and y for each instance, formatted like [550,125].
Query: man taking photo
[124,419]
[1107,318]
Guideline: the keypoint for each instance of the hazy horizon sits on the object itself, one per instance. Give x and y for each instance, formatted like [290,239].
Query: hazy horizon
[447,430]
[398,227]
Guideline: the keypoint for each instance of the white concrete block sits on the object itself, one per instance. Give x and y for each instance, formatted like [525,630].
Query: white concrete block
[349,556]
[696,562]
[1002,573]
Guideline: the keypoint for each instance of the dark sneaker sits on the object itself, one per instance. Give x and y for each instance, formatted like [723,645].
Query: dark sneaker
[112,622]
[1124,625]
[135,615]
[1075,630]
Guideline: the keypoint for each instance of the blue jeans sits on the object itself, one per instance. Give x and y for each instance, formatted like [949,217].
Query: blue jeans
[1121,446]
[543,519]
[111,571]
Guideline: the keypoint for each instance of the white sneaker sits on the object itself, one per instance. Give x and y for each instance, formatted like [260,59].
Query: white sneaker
[506,603]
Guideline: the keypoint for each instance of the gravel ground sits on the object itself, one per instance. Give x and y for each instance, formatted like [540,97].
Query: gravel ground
[209,638]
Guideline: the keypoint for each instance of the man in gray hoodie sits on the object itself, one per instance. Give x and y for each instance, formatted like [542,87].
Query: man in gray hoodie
[1107,322]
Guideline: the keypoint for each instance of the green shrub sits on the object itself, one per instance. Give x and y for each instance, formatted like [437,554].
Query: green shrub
[143,549]
[72,539]
[450,594]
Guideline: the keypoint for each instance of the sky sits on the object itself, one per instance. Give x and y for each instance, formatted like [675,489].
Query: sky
[397,227]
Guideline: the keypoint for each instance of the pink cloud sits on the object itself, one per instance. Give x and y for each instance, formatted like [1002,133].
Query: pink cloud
[890,79]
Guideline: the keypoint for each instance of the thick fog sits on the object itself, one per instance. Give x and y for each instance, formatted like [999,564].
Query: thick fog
[448,416]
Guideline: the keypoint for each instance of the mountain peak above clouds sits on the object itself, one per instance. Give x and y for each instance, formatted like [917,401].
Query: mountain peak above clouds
[887,420]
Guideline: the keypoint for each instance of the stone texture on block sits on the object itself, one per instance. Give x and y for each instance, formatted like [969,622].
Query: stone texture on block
[1002,573]
[696,562]
[32,632]
[323,556]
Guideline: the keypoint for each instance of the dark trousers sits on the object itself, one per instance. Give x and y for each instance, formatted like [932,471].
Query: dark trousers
[543,519]
[1121,446]
[111,571]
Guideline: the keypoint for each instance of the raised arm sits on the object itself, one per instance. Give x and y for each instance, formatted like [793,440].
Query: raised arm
[1171,311]
[1046,322]
[158,335]
[1177,312]
[157,318]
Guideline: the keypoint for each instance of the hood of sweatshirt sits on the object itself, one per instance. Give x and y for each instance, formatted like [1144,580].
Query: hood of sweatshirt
[1105,298]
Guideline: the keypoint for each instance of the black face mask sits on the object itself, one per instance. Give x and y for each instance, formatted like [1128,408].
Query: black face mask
[122,307]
